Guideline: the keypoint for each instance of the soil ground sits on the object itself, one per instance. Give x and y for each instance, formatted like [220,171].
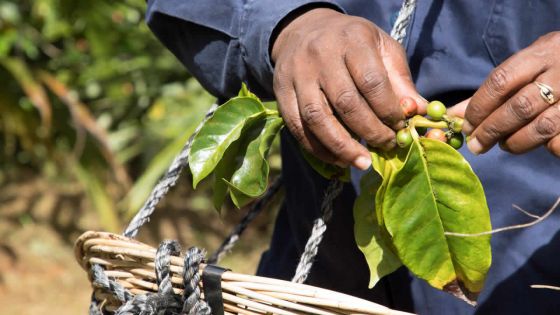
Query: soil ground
[39,222]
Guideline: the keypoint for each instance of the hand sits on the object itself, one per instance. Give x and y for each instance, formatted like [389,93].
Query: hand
[333,69]
[508,107]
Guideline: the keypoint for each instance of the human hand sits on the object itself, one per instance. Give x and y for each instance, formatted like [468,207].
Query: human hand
[331,66]
[509,109]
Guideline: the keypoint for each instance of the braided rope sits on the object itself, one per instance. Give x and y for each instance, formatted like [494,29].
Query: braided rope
[162,261]
[165,301]
[257,207]
[193,303]
[319,227]
[94,307]
[165,183]
[101,280]
[403,20]
[303,269]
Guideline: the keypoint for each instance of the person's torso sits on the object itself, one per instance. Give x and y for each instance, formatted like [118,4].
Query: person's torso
[452,46]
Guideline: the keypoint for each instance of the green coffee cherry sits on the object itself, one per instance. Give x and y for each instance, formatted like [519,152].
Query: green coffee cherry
[456,124]
[456,140]
[404,138]
[436,110]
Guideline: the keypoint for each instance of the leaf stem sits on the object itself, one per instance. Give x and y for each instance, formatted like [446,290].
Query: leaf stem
[271,112]
[421,121]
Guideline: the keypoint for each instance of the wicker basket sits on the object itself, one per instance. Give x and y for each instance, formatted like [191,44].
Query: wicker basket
[131,263]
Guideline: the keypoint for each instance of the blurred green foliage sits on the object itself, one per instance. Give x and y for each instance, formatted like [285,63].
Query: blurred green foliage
[88,94]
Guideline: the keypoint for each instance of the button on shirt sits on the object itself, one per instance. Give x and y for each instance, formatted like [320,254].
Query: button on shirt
[452,46]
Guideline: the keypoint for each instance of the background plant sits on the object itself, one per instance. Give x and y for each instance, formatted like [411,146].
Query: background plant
[89,95]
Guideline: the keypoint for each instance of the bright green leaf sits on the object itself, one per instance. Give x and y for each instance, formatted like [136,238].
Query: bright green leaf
[371,237]
[244,92]
[238,198]
[251,172]
[223,128]
[435,191]
[224,170]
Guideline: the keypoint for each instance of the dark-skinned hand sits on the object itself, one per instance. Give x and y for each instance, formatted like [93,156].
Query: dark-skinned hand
[335,75]
[508,108]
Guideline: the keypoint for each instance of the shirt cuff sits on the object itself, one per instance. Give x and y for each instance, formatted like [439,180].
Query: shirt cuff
[257,26]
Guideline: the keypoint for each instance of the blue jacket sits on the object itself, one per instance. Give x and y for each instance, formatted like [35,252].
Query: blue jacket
[452,46]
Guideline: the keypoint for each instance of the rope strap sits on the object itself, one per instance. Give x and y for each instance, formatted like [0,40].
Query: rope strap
[403,20]
[165,301]
[334,189]
[257,208]
[165,183]
[319,227]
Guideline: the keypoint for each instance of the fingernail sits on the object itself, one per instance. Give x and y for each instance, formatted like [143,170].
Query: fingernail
[474,145]
[362,163]
[467,127]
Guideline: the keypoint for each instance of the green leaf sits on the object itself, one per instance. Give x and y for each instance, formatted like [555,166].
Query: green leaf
[244,92]
[385,164]
[329,171]
[238,198]
[250,178]
[433,192]
[224,170]
[372,238]
[223,128]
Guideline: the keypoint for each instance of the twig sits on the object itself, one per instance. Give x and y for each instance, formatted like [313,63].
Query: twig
[83,118]
[513,227]
[544,286]
[527,213]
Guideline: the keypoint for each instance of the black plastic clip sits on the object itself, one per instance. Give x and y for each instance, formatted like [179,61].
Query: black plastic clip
[212,286]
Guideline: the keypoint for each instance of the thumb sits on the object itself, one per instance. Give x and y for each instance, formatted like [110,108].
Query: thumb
[395,61]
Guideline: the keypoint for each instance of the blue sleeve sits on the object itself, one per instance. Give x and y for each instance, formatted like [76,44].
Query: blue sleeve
[223,43]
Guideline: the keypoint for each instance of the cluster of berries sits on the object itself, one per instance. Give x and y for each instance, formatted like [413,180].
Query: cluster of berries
[438,125]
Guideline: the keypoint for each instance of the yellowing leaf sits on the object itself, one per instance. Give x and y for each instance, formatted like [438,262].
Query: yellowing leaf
[371,237]
[435,191]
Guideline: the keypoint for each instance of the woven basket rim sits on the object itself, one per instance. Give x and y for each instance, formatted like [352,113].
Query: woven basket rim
[131,263]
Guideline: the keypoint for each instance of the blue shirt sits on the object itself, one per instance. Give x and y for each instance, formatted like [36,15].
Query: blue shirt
[452,46]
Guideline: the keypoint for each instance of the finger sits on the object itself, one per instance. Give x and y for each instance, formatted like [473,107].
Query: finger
[515,113]
[538,132]
[516,72]
[353,109]
[458,110]
[370,77]
[287,105]
[318,117]
[553,146]
[394,58]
